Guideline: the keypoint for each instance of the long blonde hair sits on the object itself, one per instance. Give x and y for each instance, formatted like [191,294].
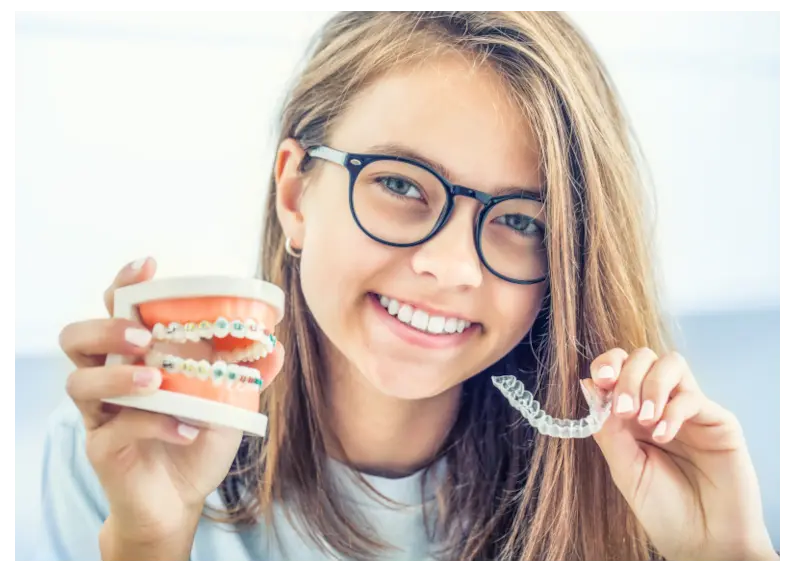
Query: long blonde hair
[507,492]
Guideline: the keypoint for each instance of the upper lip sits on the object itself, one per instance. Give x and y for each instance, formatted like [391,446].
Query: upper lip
[429,309]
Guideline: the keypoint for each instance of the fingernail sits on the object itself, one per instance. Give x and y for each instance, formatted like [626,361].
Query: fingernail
[138,264]
[646,411]
[659,431]
[148,378]
[606,372]
[187,431]
[138,337]
[625,403]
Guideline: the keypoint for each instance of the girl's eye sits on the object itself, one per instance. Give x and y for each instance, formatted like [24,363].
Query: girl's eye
[401,187]
[520,223]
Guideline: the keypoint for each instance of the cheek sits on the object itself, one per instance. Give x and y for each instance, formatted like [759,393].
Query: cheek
[514,310]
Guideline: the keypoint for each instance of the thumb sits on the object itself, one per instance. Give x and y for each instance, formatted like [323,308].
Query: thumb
[624,456]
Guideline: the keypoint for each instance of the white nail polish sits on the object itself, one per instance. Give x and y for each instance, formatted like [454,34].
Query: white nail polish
[138,337]
[606,372]
[659,431]
[187,431]
[625,403]
[647,411]
[138,264]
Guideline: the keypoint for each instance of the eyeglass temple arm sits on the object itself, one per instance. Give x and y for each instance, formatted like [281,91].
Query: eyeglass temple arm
[328,154]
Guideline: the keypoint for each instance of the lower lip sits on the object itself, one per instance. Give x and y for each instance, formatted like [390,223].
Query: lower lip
[415,337]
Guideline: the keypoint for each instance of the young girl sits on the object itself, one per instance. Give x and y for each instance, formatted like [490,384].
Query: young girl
[454,197]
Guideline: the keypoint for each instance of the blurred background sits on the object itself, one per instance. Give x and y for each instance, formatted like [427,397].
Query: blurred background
[133,128]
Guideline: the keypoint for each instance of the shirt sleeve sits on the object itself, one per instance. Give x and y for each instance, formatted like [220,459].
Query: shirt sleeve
[73,503]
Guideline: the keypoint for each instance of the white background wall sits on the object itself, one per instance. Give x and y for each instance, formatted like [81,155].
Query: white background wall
[137,131]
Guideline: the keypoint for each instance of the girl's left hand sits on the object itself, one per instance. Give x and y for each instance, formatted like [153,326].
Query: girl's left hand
[679,459]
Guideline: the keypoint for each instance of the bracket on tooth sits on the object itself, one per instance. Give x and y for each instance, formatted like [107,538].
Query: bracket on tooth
[241,409]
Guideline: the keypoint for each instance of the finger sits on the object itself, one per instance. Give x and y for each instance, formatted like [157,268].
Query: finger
[606,368]
[620,449]
[87,386]
[270,365]
[626,393]
[138,271]
[133,425]
[87,343]
[681,408]
[661,382]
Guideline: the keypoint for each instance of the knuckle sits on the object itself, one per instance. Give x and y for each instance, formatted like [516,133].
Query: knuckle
[73,384]
[646,353]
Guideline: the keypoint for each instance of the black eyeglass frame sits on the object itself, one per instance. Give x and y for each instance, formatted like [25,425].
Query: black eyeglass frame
[356,162]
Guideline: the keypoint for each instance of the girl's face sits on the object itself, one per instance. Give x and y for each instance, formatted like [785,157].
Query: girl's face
[454,116]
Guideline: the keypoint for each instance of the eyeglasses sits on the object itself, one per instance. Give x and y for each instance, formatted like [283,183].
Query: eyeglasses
[401,202]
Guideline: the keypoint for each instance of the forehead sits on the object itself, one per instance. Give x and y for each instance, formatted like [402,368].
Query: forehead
[452,112]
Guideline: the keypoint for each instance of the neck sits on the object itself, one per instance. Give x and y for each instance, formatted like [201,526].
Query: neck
[384,435]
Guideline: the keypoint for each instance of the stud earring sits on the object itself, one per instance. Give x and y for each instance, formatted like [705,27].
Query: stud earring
[288,247]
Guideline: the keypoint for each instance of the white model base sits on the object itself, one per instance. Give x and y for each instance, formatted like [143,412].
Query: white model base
[197,411]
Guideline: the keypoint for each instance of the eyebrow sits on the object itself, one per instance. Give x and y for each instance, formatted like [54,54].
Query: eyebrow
[397,150]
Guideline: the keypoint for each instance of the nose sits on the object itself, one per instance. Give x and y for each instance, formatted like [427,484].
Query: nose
[450,256]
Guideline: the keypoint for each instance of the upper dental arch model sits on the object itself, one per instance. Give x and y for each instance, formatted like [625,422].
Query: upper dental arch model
[233,317]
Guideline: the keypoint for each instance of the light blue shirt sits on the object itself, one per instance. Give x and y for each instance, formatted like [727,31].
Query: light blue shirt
[74,507]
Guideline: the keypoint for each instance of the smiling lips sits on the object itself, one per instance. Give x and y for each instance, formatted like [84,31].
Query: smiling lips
[421,320]
[239,330]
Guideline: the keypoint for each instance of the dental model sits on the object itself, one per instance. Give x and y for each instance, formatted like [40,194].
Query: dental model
[522,400]
[213,335]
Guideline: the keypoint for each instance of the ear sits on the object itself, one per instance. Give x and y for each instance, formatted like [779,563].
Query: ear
[289,190]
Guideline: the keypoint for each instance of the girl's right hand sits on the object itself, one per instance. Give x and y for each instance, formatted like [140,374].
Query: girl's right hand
[156,472]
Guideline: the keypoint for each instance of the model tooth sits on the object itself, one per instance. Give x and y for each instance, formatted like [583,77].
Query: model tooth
[203,369]
[191,367]
[238,329]
[206,330]
[221,328]
[232,374]
[252,329]
[191,332]
[159,331]
[269,343]
[219,372]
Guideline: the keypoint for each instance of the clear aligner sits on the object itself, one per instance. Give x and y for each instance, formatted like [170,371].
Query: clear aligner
[523,401]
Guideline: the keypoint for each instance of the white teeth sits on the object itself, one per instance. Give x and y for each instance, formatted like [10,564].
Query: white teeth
[238,330]
[404,315]
[221,328]
[191,332]
[206,330]
[203,369]
[393,307]
[190,367]
[436,325]
[450,325]
[232,374]
[175,332]
[159,331]
[219,372]
[420,319]
[253,331]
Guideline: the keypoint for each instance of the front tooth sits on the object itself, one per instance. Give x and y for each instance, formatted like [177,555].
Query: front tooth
[252,330]
[436,324]
[169,364]
[384,301]
[450,325]
[238,329]
[405,313]
[232,374]
[393,307]
[206,330]
[191,332]
[221,328]
[191,367]
[460,326]
[419,320]
[219,372]
[203,369]
[159,331]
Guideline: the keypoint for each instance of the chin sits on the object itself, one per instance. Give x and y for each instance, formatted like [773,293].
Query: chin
[410,381]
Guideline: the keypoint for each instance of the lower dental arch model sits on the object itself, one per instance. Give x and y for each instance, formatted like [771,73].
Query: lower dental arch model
[231,318]
[522,400]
